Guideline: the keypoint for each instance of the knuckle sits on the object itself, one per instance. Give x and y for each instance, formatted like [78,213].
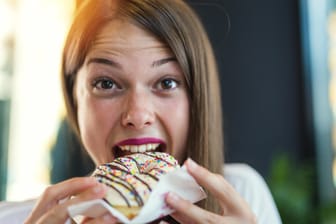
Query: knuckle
[218,177]
[48,192]
[76,180]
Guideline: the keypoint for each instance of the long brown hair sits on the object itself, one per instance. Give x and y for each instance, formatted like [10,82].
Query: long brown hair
[176,25]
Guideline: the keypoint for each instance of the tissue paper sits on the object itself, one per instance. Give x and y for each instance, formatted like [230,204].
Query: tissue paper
[178,181]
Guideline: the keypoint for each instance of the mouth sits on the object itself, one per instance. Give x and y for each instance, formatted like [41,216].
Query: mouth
[131,146]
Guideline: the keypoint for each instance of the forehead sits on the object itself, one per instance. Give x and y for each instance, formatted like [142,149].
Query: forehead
[122,35]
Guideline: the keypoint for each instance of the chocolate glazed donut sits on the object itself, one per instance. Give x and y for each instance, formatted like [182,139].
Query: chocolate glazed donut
[130,179]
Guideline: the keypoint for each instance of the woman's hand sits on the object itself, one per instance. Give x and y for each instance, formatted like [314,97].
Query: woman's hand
[53,205]
[234,208]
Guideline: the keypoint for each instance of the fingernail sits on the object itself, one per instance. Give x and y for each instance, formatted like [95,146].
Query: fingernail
[191,163]
[107,218]
[171,197]
[98,189]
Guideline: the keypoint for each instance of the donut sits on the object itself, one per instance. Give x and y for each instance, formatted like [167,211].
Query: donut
[130,179]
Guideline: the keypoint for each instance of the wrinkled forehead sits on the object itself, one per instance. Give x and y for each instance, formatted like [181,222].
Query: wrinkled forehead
[121,35]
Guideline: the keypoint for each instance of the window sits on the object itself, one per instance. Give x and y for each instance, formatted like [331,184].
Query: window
[35,93]
[319,39]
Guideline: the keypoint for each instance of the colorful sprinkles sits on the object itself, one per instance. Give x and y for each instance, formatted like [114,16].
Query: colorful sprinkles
[134,176]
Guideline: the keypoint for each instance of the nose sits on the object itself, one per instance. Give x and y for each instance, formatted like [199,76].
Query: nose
[138,112]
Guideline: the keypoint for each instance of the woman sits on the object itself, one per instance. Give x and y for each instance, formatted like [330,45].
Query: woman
[138,70]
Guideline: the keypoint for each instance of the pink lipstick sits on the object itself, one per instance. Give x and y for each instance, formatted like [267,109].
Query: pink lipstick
[140,141]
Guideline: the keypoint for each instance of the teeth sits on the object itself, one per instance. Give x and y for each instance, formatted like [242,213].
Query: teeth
[134,148]
[142,148]
[149,147]
[139,148]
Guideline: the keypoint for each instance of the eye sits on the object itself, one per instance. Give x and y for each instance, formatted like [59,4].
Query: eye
[167,84]
[104,84]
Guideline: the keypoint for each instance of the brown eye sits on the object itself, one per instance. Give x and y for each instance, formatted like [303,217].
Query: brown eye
[104,83]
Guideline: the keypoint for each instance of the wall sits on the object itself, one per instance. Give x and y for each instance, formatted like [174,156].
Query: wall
[257,44]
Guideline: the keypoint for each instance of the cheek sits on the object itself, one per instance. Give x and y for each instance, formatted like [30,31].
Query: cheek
[87,118]
[177,121]
[88,113]
[95,125]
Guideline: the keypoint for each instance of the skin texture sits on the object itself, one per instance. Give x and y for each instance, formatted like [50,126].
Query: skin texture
[138,104]
[124,90]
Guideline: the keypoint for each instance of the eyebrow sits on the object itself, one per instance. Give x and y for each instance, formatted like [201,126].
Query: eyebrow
[104,61]
[163,61]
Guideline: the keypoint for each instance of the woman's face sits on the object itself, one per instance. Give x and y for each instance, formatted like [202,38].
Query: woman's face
[131,96]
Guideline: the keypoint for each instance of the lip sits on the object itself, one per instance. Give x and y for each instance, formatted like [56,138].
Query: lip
[139,141]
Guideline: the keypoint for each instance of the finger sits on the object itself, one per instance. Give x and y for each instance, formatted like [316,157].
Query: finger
[55,193]
[68,188]
[59,213]
[163,222]
[186,212]
[106,218]
[229,199]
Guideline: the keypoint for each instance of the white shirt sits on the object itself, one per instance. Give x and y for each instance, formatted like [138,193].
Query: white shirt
[252,187]
[247,182]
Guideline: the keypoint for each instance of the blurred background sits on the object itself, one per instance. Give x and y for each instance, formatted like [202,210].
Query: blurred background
[277,61]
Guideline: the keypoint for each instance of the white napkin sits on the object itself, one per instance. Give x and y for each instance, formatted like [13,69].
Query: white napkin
[179,181]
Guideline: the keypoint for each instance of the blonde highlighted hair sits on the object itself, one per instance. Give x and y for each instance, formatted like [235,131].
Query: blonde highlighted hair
[178,26]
